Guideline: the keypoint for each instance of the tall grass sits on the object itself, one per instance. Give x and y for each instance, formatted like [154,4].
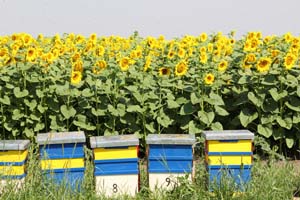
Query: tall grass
[269,181]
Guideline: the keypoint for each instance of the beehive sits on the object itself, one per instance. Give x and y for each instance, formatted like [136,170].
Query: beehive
[116,164]
[229,154]
[169,156]
[62,156]
[13,157]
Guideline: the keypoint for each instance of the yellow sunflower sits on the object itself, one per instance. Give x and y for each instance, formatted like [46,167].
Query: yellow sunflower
[181,52]
[147,63]
[31,54]
[181,68]
[289,61]
[203,58]
[209,79]
[171,54]
[124,63]
[164,71]
[99,66]
[78,66]
[222,66]
[263,64]
[76,77]
[203,37]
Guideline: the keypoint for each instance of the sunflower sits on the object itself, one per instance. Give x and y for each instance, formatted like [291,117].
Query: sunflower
[78,66]
[49,57]
[203,37]
[181,68]
[203,58]
[99,66]
[289,61]
[147,63]
[76,77]
[171,54]
[164,71]
[124,63]
[99,51]
[209,79]
[3,52]
[93,37]
[31,54]
[181,52]
[222,66]
[263,64]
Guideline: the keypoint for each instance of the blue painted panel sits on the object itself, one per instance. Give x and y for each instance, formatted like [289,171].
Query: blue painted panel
[168,152]
[169,166]
[116,166]
[12,163]
[70,178]
[239,175]
[13,177]
[61,151]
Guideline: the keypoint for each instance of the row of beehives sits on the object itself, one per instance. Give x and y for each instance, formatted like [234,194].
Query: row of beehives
[116,162]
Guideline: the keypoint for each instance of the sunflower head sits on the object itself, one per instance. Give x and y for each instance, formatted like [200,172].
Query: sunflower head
[263,64]
[209,79]
[99,66]
[76,77]
[222,66]
[181,68]
[289,61]
[78,66]
[31,54]
[124,63]
[164,71]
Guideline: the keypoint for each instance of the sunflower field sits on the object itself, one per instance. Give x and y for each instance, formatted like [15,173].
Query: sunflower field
[113,85]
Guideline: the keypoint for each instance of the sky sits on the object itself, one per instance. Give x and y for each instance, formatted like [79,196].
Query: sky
[171,18]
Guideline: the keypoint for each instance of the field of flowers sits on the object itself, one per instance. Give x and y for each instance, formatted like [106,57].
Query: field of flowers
[115,85]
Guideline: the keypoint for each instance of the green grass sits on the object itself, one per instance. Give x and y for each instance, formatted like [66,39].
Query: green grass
[268,182]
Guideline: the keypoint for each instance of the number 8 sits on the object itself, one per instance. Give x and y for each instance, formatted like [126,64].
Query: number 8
[115,188]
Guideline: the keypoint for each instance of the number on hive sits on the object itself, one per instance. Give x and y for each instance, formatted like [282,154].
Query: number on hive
[115,188]
[168,181]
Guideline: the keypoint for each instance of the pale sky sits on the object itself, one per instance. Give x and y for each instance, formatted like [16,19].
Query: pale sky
[172,18]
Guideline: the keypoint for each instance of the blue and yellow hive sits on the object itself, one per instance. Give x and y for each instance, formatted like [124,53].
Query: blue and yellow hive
[229,154]
[13,157]
[62,157]
[169,157]
[116,164]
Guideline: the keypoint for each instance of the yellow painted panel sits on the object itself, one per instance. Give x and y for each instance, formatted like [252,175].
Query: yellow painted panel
[13,156]
[239,146]
[62,163]
[12,170]
[115,153]
[229,160]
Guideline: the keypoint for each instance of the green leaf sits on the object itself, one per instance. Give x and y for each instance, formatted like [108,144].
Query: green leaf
[264,130]
[217,126]
[195,98]
[98,112]
[206,117]
[121,109]
[215,99]
[172,104]
[39,126]
[277,96]
[164,119]
[28,132]
[255,99]
[20,94]
[112,110]
[87,93]
[289,142]
[246,117]
[150,127]
[5,100]
[194,127]
[41,108]
[285,123]
[67,112]
[293,104]
[17,114]
[31,104]
[134,108]
[187,109]
[221,111]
